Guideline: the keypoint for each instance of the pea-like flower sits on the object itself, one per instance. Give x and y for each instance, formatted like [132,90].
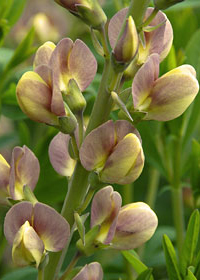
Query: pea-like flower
[136,223]
[121,228]
[92,271]
[59,155]
[114,151]
[40,92]
[23,170]
[30,229]
[167,97]
[157,41]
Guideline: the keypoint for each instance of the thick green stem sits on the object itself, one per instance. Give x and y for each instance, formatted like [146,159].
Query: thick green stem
[128,191]
[177,202]
[137,10]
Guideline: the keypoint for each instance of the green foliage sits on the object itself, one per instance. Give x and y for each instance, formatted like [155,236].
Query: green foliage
[190,243]
[171,259]
[138,266]
[21,274]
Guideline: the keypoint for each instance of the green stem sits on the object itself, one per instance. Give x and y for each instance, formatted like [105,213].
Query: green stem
[79,118]
[87,200]
[74,145]
[137,10]
[177,199]
[71,266]
[150,18]
[152,189]
[128,191]
[40,274]
[178,215]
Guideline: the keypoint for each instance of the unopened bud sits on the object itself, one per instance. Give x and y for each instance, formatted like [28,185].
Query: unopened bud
[164,4]
[127,45]
[74,97]
[68,123]
[89,11]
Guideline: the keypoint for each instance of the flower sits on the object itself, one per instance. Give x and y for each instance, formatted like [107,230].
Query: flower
[114,151]
[167,97]
[40,92]
[30,229]
[157,41]
[23,170]
[92,271]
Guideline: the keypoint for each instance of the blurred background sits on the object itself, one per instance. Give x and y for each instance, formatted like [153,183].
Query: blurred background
[24,26]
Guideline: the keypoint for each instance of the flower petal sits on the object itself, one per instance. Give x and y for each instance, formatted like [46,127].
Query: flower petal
[135,225]
[43,54]
[173,93]
[126,162]
[144,81]
[97,146]
[34,97]
[24,170]
[104,211]
[46,220]
[92,271]
[59,156]
[82,64]
[60,73]
[15,218]
[4,176]
[158,41]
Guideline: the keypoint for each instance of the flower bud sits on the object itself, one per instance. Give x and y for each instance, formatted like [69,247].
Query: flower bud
[67,123]
[164,4]
[157,41]
[167,97]
[104,212]
[127,45]
[114,151]
[88,11]
[92,271]
[74,97]
[136,224]
[30,229]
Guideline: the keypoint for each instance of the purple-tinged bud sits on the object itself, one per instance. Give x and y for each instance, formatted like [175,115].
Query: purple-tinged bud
[88,11]
[30,229]
[59,155]
[114,151]
[158,41]
[23,170]
[127,45]
[167,97]
[104,212]
[92,271]
[164,4]
[136,224]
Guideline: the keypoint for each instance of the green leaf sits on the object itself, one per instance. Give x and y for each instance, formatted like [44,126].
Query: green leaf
[15,11]
[195,169]
[23,51]
[145,275]
[190,243]
[171,260]
[5,56]
[190,275]
[13,112]
[21,274]
[193,51]
[133,259]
